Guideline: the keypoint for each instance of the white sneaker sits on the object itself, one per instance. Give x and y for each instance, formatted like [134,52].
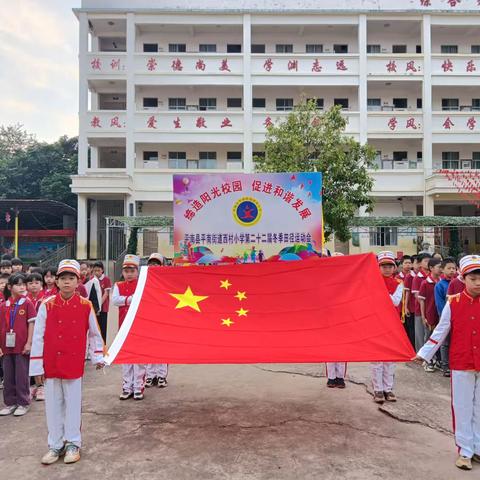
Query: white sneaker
[40,396]
[162,382]
[21,410]
[72,453]
[52,456]
[7,410]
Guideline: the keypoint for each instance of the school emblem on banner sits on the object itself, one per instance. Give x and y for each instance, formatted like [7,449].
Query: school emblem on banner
[247,211]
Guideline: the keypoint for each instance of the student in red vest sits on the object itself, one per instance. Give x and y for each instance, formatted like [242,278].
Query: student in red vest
[420,330]
[406,275]
[457,285]
[461,318]
[133,374]
[17,315]
[63,324]
[426,299]
[383,373]
[49,279]
[156,373]
[105,287]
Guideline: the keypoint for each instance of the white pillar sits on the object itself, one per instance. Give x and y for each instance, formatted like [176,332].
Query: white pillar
[131,107]
[247,95]
[427,108]
[83,94]
[82,226]
[362,87]
[94,157]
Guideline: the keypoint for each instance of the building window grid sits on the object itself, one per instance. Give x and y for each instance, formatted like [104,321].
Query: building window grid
[383,236]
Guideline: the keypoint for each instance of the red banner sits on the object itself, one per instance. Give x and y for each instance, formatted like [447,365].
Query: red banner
[322,310]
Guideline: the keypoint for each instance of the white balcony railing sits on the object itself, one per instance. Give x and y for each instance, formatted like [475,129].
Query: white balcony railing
[106,63]
[261,120]
[189,122]
[304,64]
[189,64]
[456,122]
[106,121]
[406,65]
[456,64]
[395,122]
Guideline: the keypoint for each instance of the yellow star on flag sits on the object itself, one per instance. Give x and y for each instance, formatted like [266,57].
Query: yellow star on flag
[188,299]
[241,312]
[227,322]
[225,284]
[241,296]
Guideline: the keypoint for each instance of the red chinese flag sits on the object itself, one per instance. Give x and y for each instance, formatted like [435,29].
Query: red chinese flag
[322,310]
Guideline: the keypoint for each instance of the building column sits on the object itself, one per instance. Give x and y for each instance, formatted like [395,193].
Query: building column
[247,95]
[427,109]
[82,216]
[83,94]
[362,70]
[130,141]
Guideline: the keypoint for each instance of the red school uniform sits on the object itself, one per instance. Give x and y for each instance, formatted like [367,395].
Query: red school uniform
[427,293]
[48,292]
[455,286]
[407,284]
[105,284]
[125,289]
[37,301]
[16,316]
[416,284]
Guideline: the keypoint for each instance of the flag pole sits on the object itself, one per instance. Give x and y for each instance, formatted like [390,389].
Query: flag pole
[16,232]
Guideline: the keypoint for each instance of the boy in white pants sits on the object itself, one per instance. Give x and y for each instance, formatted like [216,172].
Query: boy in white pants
[336,374]
[63,323]
[461,318]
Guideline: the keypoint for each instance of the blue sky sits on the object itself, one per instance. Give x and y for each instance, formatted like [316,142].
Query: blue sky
[39,66]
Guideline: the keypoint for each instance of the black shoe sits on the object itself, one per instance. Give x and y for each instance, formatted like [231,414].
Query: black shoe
[331,383]
[446,373]
[162,382]
[126,395]
[340,383]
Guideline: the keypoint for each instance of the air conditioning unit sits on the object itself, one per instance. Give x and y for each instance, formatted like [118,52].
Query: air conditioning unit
[466,164]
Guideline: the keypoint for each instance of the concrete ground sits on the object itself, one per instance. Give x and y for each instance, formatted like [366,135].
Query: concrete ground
[249,422]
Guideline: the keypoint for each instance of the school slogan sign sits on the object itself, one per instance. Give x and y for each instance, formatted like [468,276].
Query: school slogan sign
[246,218]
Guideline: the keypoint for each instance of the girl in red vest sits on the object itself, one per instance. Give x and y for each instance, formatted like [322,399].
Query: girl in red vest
[63,325]
[383,373]
[133,374]
[461,318]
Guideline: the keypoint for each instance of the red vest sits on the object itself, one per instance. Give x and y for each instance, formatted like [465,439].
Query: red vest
[465,332]
[65,339]
[392,284]
[125,289]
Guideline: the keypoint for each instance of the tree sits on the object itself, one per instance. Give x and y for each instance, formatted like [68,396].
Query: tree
[308,141]
[30,169]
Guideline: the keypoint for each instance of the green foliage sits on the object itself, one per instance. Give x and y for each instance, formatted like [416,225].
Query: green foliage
[308,141]
[31,169]
[133,241]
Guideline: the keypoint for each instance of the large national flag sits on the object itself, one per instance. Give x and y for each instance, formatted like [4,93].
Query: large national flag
[321,310]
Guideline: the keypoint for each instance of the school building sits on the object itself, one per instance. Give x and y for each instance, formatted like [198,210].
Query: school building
[190,85]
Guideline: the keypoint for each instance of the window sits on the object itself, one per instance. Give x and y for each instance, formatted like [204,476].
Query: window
[313,48]
[177,160]
[150,47]
[177,47]
[418,49]
[258,48]
[373,49]
[400,103]
[450,104]
[234,160]
[234,48]
[343,102]
[475,49]
[449,49]
[284,48]
[208,160]
[284,104]
[475,103]
[177,103]
[207,47]
[374,104]
[207,104]
[400,156]
[476,160]
[450,160]
[399,49]
[419,156]
[383,236]
[318,102]
[258,103]
[150,102]
[419,103]
[234,103]
[340,48]
[150,156]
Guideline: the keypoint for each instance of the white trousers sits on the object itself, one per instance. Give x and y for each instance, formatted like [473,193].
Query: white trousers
[336,370]
[466,411]
[133,378]
[63,407]
[157,370]
[383,375]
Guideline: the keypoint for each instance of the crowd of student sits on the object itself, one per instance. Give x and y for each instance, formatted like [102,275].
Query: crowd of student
[52,319]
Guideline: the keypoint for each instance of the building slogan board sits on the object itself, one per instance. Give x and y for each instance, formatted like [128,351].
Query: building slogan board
[246,218]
